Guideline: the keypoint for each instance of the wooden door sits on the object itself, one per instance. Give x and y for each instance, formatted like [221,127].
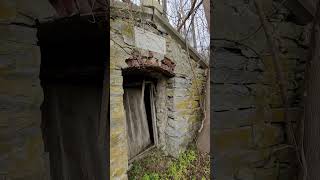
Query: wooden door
[138,129]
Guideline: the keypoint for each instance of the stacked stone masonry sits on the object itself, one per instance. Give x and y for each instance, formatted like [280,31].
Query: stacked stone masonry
[22,153]
[178,113]
[249,135]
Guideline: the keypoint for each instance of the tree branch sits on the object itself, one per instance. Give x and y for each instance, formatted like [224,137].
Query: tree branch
[192,10]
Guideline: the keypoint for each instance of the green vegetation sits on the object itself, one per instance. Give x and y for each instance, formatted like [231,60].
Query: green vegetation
[156,166]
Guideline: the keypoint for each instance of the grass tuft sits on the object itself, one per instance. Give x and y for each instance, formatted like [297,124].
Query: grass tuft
[157,166]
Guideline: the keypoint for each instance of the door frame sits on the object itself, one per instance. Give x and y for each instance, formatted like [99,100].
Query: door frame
[153,120]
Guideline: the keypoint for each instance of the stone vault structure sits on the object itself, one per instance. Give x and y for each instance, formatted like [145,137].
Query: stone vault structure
[30,58]
[178,73]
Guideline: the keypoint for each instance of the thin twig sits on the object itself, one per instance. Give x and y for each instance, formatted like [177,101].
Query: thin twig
[192,11]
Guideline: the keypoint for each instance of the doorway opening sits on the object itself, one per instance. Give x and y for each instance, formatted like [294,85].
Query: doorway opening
[73,76]
[139,104]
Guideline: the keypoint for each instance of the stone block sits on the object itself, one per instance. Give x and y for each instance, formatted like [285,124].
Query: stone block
[232,140]
[16,104]
[285,154]
[21,37]
[177,128]
[174,146]
[231,101]
[227,89]
[289,29]
[239,163]
[233,118]
[243,19]
[227,59]
[268,135]
[245,173]
[288,173]
[153,3]
[23,119]
[267,174]
[42,10]
[186,104]
[22,87]
[116,80]
[116,90]
[27,160]
[236,76]
[117,135]
[294,114]
[8,10]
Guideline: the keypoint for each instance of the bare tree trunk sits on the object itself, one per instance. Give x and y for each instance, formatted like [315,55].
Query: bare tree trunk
[311,132]
[180,14]
[194,38]
[206,6]
[193,10]
[164,6]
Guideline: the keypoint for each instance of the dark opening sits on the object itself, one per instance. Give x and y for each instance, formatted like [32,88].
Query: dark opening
[133,87]
[147,103]
[74,55]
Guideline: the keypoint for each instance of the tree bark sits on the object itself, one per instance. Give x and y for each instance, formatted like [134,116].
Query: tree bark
[193,9]
[164,6]
[194,38]
[206,6]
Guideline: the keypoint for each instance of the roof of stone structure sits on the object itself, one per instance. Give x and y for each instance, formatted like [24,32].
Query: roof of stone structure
[121,9]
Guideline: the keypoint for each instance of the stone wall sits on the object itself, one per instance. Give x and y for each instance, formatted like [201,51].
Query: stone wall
[21,147]
[177,100]
[249,135]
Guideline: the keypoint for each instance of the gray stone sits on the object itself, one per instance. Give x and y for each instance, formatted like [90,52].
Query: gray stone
[231,102]
[245,174]
[177,128]
[235,76]
[233,119]
[226,59]
[228,89]
[268,135]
